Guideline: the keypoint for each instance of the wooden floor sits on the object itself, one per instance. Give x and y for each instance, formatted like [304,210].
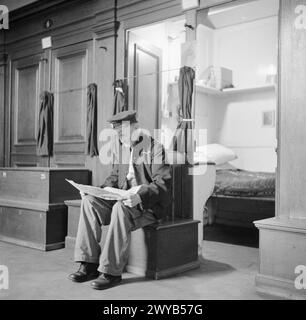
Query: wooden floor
[226,272]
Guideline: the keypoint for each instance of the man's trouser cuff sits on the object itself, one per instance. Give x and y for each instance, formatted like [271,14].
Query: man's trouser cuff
[110,271]
[85,258]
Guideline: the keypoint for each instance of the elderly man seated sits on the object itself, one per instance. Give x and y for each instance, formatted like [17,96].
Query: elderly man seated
[141,165]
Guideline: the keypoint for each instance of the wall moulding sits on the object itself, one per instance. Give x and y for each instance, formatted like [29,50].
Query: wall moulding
[78,19]
[135,9]
[3,58]
[204,4]
[106,30]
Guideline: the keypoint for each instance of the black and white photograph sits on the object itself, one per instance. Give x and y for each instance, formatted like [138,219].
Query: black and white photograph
[153,150]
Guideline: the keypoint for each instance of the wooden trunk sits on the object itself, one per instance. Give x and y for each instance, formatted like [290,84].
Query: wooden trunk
[164,249]
[32,209]
[157,251]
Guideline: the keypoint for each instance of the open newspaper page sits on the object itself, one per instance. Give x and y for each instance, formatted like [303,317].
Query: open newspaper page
[106,193]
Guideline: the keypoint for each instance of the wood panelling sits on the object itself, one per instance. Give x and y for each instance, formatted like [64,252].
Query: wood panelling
[76,26]
[35,215]
[26,95]
[104,75]
[44,185]
[211,3]
[71,73]
[73,21]
[292,134]
[83,33]
[70,97]
[143,12]
[26,86]
[2,132]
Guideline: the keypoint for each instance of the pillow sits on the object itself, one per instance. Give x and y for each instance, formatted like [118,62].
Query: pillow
[215,153]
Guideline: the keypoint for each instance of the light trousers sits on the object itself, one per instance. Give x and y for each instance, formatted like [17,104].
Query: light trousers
[122,220]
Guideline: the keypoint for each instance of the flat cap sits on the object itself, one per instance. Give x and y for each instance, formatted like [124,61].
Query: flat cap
[120,117]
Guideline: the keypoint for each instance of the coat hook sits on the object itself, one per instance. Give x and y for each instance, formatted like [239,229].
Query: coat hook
[104,48]
[189,26]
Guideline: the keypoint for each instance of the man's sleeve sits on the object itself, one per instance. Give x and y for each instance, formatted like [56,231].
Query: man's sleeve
[112,180]
[158,190]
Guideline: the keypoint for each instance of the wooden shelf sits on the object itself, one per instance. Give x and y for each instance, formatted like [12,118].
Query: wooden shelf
[203,89]
[209,91]
[268,87]
[231,91]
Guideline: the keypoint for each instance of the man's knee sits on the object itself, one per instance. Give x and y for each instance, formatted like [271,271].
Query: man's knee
[88,198]
[87,203]
[118,209]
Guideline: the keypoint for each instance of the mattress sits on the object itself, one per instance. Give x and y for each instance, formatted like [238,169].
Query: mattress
[243,183]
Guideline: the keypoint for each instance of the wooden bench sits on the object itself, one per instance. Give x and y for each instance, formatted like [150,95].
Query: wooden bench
[173,245]
[157,251]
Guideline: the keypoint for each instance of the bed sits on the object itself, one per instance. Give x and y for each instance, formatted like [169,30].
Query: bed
[241,197]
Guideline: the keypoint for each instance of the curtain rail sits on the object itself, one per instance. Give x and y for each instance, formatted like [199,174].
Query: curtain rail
[125,78]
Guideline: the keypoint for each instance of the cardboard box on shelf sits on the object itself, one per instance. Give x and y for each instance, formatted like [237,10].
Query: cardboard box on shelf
[217,77]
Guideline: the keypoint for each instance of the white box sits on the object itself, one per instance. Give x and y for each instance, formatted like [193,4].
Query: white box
[218,77]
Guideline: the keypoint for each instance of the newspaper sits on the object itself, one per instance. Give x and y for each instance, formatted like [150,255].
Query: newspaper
[106,193]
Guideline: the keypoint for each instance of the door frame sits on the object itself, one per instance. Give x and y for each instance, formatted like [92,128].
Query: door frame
[205,5]
[134,80]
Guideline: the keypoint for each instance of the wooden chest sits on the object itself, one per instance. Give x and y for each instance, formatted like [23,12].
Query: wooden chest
[32,209]
[161,250]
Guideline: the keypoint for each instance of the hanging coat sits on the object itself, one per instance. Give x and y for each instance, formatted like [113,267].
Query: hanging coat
[183,138]
[91,123]
[120,104]
[120,100]
[44,142]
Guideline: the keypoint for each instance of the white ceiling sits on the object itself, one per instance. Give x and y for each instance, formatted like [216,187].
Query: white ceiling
[232,14]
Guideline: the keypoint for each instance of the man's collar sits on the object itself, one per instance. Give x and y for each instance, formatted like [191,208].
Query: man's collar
[139,139]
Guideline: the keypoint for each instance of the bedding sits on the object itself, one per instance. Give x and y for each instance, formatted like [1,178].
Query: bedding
[215,153]
[241,183]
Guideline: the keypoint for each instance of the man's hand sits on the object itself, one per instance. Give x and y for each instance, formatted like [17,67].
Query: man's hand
[132,200]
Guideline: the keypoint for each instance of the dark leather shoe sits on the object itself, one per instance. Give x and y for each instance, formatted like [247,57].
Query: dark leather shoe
[105,281]
[86,272]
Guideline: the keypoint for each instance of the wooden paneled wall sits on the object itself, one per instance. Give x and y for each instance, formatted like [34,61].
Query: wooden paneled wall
[26,85]
[70,75]
[2,132]
[292,115]
[82,52]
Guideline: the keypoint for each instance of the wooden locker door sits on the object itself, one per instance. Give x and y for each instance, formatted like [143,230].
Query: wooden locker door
[27,82]
[144,67]
[70,76]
